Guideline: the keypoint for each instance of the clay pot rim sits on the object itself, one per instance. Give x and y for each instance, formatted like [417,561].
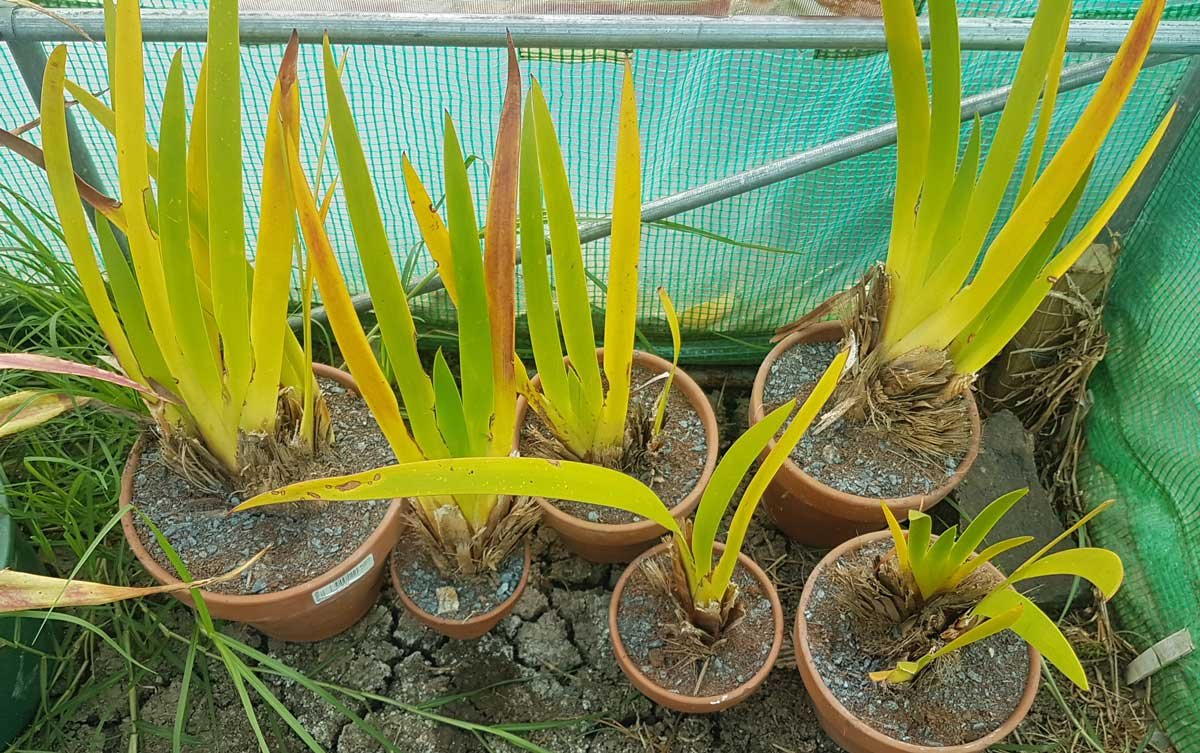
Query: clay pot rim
[241,600]
[670,698]
[866,505]
[712,436]
[804,657]
[439,623]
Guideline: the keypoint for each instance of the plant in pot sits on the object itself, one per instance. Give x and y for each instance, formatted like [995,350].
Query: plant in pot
[903,426]
[692,635]
[908,641]
[594,405]
[236,405]
[469,559]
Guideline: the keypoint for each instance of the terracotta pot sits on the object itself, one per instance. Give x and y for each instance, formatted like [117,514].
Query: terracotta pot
[311,611]
[621,542]
[685,703]
[474,627]
[817,515]
[855,735]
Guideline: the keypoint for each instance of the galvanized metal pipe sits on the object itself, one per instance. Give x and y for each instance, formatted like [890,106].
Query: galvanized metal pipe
[570,31]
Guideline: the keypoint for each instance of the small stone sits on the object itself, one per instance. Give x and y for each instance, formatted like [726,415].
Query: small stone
[447,600]
[593,516]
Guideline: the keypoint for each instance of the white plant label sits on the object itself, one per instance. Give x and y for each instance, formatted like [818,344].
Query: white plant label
[325,593]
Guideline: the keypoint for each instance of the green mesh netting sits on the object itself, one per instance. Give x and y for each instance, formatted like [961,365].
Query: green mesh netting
[1143,447]
[705,114]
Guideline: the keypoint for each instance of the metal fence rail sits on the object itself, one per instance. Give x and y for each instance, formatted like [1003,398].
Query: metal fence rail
[580,32]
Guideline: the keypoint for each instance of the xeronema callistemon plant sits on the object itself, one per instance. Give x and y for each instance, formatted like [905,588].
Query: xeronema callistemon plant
[587,412]
[703,590]
[463,532]
[198,332]
[934,596]
[921,330]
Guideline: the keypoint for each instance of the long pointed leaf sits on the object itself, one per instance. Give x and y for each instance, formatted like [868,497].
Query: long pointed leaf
[620,313]
[61,175]
[474,328]
[1038,630]
[715,588]
[273,255]
[226,223]
[179,273]
[972,356]
[539,295]
[343,319]
[907,64]
[500,259]
[1062,174]
[574,303]
[727,477]
[50,365]
[984,522]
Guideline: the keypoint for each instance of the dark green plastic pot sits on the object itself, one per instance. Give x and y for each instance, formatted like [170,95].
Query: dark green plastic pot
[20,670]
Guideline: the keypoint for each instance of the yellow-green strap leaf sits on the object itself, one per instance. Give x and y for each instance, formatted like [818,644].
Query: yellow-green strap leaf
[620,314]
[396,324]
[60,173]
[474,326]
[433,230]
[535,272]
[660,405]
[716,587]
[907,63]
[1038,630]
[536,477]
[343,319]
[179,274]
[226,220]
[725,481]
[899,539]
[970,357]
[574,302]
[1100,567]
[986,556]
